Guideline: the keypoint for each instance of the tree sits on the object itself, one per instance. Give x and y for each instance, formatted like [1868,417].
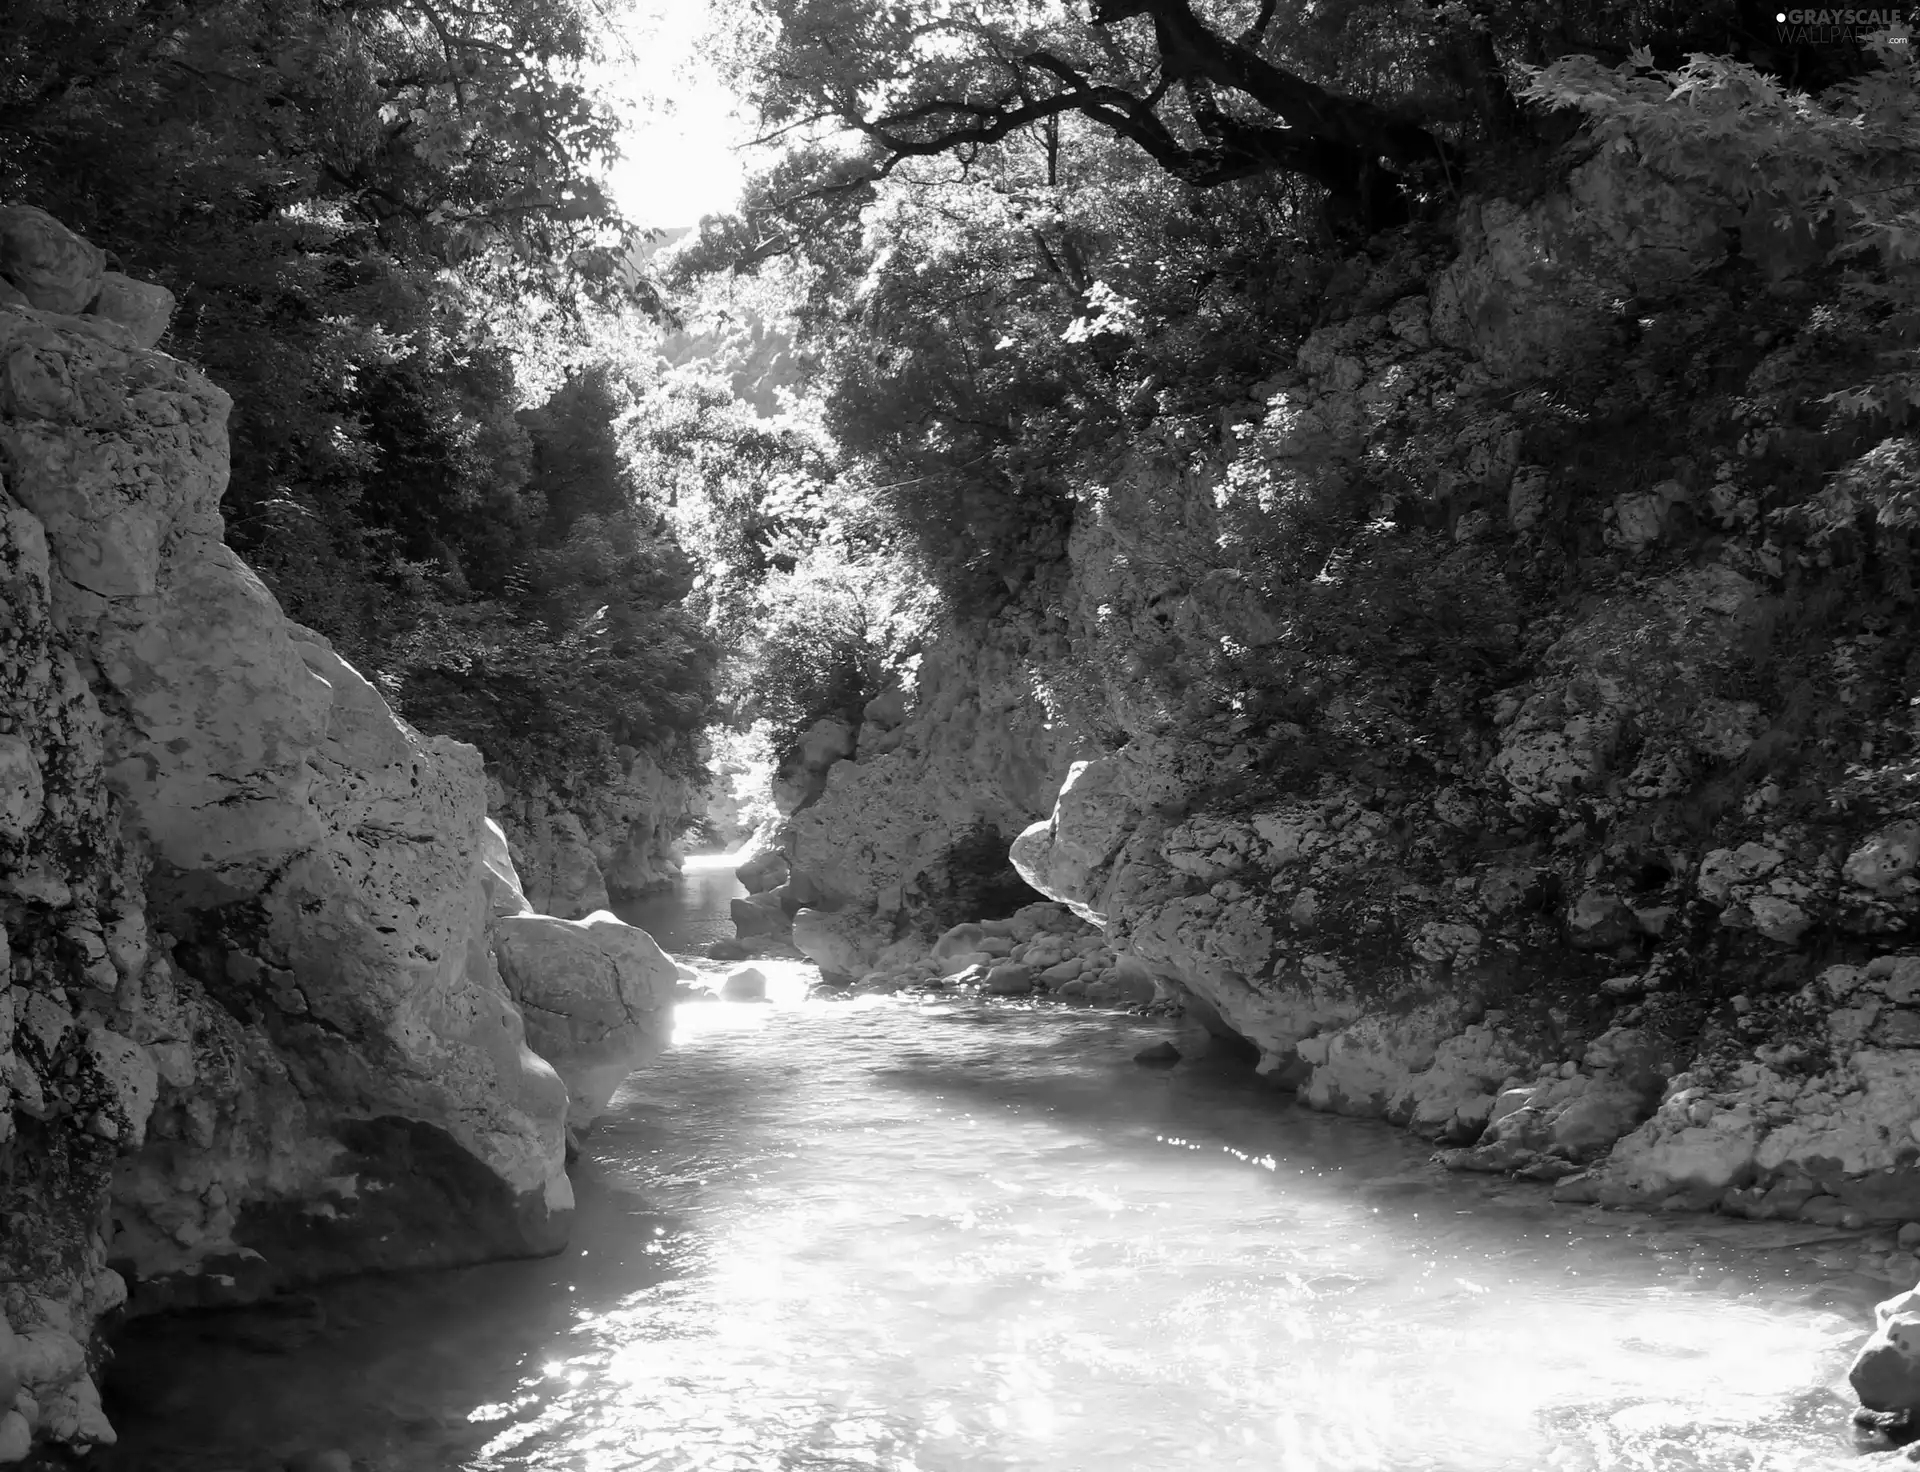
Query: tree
[1204,91]
[463,134]
[361,205]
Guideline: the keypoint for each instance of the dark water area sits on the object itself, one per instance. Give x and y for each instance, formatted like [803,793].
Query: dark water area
[694,913]
[966,1237]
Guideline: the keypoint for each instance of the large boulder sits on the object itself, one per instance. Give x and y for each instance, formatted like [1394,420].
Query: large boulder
[54,269]
[1065,855]
[841,943]
[585,839]
[1886,1371]
[598,998]
[759,914]
[141,307]
[255,1035]
[764,871]
[802,774]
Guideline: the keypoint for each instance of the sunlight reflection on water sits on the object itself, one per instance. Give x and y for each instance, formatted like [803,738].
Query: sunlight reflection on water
[974,1239]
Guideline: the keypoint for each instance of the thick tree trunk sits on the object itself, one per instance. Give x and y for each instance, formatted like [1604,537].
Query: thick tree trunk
[1345,144]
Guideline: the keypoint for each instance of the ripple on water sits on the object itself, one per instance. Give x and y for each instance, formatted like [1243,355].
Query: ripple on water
[961,1239]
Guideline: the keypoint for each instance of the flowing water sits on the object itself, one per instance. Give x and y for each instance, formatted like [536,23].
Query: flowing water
[978,1238]
[696,911]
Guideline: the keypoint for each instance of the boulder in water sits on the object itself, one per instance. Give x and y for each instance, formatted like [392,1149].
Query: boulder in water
[748,984]
[597,995]
[962,940]
[762,872]
[755,915]
[835,942]
[1886,1371]
[1161,1054]
[1009,980]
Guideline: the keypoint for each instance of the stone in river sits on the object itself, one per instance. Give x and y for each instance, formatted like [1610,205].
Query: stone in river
[1886,1372]
[1010,980]
[762,872]
[748,984]
[1159,1054]
[596,993]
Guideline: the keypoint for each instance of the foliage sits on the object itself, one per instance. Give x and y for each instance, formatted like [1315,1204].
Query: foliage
[801,577]
[1370,101]
[984,343]
[366,212]
[741,795]
[1377,107]
[1833,177]
[462,134]
[584,643]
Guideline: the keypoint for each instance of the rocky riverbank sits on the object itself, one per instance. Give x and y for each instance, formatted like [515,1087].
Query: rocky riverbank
[1574,826]
[1616,881]
[255,1034]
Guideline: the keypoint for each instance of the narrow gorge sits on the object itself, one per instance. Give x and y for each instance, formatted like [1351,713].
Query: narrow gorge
[1042,803]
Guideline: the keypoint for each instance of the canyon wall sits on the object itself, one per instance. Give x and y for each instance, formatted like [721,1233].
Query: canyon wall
[1568,810]
[584,841]
[896,824]
[254,1033]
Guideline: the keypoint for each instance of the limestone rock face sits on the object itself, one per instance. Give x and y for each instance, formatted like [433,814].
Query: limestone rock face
[598,998]
[255,1034]
[505,895]
[801,776]
[976,753]
[141,307]
[840,943]
[596,837]
[54,269]
[1548,911]
[1533,285]
[764,871]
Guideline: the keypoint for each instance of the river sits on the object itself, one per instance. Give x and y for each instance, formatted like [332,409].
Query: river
[969,1237]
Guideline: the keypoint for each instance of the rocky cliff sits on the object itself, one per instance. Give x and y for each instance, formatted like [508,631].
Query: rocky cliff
[255,1034]
[588,840]
[899,826]
[1565,810]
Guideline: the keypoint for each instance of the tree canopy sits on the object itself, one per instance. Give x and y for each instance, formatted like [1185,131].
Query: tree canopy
[375,214]
[461,134]
[1375,102]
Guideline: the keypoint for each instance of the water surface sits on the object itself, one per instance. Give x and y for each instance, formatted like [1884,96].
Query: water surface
[969,1238]
[695,910]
